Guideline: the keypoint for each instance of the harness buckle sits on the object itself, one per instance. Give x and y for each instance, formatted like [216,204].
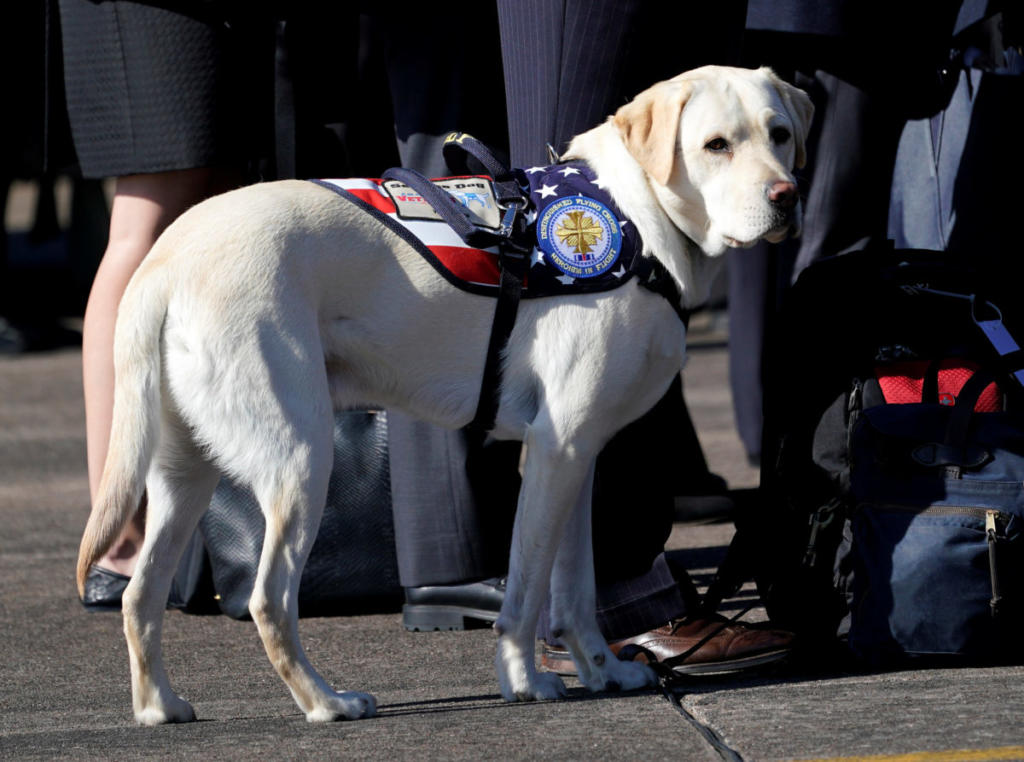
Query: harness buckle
[508,220]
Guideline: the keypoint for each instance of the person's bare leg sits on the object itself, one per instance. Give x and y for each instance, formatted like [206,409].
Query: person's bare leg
[143,206]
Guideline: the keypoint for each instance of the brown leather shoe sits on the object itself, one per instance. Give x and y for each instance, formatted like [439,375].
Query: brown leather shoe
[729,647]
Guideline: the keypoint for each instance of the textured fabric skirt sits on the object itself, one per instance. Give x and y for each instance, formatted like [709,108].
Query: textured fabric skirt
[156,87]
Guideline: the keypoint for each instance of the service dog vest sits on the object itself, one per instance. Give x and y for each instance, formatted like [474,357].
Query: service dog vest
[560,217]
[579,242]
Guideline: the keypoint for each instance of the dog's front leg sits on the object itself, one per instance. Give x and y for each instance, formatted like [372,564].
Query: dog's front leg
[552,480]
[573,607]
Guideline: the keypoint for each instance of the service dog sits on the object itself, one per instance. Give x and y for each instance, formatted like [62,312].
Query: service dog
[260,309]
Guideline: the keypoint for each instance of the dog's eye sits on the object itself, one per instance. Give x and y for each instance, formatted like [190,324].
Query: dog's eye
[780,135]
[718,145]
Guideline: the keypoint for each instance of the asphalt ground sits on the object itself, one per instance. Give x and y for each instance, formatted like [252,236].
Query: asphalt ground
[64,686]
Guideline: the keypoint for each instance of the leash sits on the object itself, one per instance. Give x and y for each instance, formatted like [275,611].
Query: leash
[664,669]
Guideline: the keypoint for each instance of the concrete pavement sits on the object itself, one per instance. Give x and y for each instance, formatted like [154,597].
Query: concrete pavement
[64,673]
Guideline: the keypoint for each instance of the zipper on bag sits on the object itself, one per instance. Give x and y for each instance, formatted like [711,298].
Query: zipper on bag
[991,535]
[990,516]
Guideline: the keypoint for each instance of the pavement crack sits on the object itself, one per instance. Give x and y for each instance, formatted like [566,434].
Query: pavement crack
[708,733]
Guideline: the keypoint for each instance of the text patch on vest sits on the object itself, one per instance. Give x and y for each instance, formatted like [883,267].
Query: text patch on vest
[474,193]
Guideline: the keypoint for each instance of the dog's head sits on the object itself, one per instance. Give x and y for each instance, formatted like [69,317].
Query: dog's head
[719,145]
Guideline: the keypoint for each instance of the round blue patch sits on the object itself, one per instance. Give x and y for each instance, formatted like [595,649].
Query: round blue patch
[579,236]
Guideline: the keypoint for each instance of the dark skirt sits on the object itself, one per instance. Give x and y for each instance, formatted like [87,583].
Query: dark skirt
[152,89]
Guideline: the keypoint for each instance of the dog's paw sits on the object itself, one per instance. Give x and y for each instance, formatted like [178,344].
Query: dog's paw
[518,677]
[175,709]
[540,686]
[615,675]
[347,705]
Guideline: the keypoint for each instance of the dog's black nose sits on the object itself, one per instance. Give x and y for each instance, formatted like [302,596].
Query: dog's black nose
[783,194]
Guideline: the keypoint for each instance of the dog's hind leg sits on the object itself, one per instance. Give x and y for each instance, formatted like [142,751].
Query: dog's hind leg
[293,501]
[573,608]
[179,487]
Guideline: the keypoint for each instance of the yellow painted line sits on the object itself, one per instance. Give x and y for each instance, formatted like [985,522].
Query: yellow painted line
[959,755]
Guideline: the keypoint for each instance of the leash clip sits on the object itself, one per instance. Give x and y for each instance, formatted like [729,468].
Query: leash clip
[508,220]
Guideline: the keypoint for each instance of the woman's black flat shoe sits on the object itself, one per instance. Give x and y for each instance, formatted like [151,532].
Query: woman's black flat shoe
[103,589]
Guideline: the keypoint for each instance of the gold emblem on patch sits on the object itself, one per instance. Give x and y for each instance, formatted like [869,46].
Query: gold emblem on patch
[579,236]
[580,231]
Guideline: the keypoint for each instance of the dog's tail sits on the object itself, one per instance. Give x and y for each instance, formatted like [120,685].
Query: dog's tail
[136,418]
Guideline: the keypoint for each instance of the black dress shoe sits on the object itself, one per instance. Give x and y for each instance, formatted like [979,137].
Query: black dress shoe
[453,607]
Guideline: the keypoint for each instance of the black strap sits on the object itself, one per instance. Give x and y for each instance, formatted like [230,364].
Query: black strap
[653,276]
[963,411]
[450,210]
[736,568]
[458,148]
[513,269]
[930,387]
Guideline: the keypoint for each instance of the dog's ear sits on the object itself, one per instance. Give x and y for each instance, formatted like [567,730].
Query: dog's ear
[649,125]
[800,108]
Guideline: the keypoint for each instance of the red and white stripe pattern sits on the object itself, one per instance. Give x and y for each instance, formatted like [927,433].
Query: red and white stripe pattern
[476,266]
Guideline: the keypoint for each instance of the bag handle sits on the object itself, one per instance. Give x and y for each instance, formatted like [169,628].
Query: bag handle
[930,388]
[955,451]
[963,410]
[989,319]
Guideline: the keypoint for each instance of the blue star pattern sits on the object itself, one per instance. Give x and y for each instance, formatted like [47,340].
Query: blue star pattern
[574,186]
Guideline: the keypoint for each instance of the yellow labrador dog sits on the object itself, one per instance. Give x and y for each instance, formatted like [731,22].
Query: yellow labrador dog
[259,310]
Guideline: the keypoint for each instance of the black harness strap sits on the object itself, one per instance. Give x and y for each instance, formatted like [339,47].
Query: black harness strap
[654,277]
[513,268]
[512,254]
